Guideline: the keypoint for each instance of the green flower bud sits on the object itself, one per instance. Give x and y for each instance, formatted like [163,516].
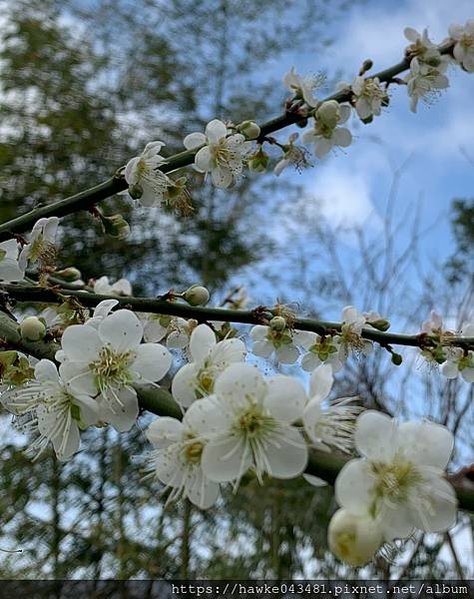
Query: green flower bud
[32,329]
[258,162]
[380,325]
[135,191]
[115,226]
[278,323]
[197,295]
[69,274]
[396,359]
[250,129]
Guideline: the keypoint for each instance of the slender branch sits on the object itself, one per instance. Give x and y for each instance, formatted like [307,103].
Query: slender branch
[86,199]
[25,293]
[159,401]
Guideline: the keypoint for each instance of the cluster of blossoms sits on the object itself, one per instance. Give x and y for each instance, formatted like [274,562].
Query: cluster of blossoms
[287,344]
[395,487]
[99,364]
[39,251]
[237,422]
[453,361]
[427,68]
[224,150]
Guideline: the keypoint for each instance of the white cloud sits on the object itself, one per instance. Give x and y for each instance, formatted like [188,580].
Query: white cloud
[375,30]
[344,196]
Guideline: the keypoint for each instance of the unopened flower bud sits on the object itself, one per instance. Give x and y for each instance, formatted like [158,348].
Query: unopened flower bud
[258,162]
[250,129]
[32,329]
[328,113]
[135,191]
[353,539]
[196,295]
[396,359]
[69,274]
[366,66]
[380,325]
[278,323]
[115,226]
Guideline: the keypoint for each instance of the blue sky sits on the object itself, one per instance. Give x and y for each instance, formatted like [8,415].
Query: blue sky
[354,185]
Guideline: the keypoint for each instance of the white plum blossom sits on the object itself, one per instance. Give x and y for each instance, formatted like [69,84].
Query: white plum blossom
[331,426]
[10,269]
[425,82]
[174,329]
[103,309]
[102,286]
[147,183]
[208,359]
[433,326]
[350,338]
[176,459]
[399,481]
[249,423]
[369,97]
[293,155]
[107,360]
[460,362]
[326,132]
[220,152]
[303,87]
[321,350]
[41,246]
[422,47]
[463,50]
[56,415]
[284,343]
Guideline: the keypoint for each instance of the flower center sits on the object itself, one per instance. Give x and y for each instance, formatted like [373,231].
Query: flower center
[395,480]
[193,449]
[206,381]
[254,423]
[111,369]
[222,154]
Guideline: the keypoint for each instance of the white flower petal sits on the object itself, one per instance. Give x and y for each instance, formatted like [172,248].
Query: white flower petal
[376,435]
[225,460]
[354,487]
[426,443]
[202,340]
[78,378]
[194,140]
[203,159]
[215,130]
[437,512]
[184,384]
[228,351]
[287,455]
[164,431]
[321,382]
[285,399]
[81,342]
[122,330]
[152,362]
[46,372]
[121,417]
[238,382]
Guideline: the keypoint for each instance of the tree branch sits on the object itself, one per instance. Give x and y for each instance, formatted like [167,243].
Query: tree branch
[159,401]
[26,293]
[88,198]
